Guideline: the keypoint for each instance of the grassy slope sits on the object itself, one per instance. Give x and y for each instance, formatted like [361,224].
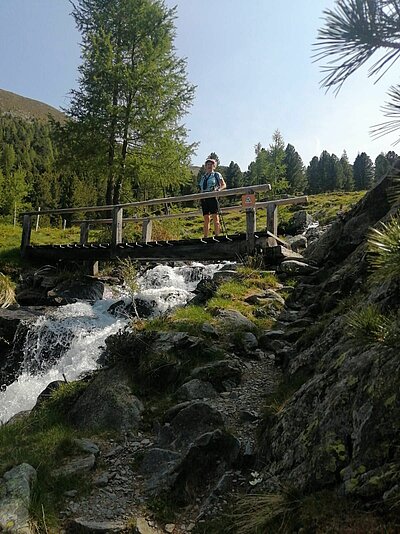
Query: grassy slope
[27,108]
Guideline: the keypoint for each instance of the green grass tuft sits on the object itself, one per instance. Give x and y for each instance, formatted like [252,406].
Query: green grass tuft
[384,246]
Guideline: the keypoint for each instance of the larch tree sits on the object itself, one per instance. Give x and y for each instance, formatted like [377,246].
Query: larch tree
[125,117]
[276,161]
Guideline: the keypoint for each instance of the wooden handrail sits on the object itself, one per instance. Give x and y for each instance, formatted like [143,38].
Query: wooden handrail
[166,200]
[258,205]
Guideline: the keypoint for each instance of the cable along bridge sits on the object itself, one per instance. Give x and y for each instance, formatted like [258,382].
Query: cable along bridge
[223,247]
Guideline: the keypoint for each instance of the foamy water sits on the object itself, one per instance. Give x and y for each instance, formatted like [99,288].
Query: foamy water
[78,332]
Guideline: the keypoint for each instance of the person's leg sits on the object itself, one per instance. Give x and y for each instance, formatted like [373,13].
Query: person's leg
[216,223]
[206,225]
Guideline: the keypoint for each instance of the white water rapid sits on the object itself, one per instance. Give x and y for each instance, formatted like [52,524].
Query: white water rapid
[76,333]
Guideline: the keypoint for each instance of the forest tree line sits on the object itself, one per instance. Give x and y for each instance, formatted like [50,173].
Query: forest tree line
[34,173]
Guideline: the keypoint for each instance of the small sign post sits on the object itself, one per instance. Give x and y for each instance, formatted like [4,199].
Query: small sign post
[248,201]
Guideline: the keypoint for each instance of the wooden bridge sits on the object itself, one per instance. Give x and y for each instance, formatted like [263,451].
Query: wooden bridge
[223,247]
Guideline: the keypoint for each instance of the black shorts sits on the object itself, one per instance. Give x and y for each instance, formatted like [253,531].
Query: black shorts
[209,206]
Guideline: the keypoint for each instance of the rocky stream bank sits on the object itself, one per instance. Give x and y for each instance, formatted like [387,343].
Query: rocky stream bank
[197,419]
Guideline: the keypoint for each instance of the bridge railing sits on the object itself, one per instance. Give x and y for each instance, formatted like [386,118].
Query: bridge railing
[118,219]
[147,220]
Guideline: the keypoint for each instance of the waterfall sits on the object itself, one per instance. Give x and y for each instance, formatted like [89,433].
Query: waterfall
[67,341]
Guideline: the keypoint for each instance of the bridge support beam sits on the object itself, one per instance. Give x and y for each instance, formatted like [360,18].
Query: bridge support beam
[147,228]
[84,235]
[26,234]
[116,237]
[250,230]
[272,223]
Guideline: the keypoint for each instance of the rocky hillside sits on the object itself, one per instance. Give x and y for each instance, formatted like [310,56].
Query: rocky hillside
[26,108]
[270,405]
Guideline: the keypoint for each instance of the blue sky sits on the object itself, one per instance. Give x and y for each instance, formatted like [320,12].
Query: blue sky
[251,63]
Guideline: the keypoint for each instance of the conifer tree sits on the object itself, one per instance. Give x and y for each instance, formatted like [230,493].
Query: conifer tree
[294,167]
[234,176]
[382,166]
[348,180]
[312,172]
[276,162]
[363,170]
[133,91]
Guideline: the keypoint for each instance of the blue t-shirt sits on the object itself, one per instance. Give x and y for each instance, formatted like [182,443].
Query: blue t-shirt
[210,182]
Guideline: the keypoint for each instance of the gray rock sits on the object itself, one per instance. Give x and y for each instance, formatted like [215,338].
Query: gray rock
[76,466]
[297,243]
[158,467]
[86,445]
[224,275]
[219,372]
[205,462]
[196,389]
[88,288]
[248,342]
[209,330]
[15,498]
[82,526]
[47,392]
[296,268]
[185,422]
[107,403]
[235,320]
[298,222]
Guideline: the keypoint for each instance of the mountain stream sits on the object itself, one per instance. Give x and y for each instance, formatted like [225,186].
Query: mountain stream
[67,341]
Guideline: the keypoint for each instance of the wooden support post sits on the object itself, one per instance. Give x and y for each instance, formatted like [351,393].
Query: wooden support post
[250,230]
[272,223]
[91,267]
[94,268]
[84,235]
[26,234]
[37,220]
[147,227]
[117,226]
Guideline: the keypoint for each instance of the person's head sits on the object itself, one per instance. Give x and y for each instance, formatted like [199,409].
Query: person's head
[210,164]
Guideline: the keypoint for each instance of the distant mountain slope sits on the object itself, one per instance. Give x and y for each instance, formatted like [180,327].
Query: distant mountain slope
[27,108]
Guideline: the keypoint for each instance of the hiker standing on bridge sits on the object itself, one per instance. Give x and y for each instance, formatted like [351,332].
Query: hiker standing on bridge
[211,181]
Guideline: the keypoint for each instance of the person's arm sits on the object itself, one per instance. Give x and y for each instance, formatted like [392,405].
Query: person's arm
[222,184]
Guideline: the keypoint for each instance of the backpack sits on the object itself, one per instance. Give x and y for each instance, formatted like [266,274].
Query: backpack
[205,182]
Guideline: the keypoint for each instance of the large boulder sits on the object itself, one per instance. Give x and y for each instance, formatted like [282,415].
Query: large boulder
[185,422]
[298,223]
[46,288]
[107,404]
[219,373]
[15,499]
[68,291]
[206,461]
